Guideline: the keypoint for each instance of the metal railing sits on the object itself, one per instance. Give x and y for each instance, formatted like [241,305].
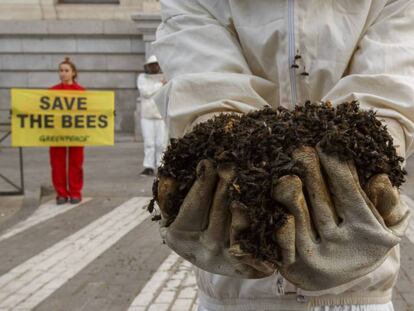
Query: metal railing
[18,188]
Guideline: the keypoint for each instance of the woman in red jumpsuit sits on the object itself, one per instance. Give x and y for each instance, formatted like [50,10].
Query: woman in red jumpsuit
[67,162]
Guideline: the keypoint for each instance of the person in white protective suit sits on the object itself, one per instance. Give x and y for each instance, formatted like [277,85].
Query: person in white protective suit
[152,125]
[248,54]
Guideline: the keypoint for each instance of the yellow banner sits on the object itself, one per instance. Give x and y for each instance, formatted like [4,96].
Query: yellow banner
[62,118]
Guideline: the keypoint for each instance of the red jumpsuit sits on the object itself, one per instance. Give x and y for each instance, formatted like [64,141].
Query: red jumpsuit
[67,162]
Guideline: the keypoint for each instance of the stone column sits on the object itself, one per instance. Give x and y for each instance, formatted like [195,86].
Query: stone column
[48,8]
[147,25]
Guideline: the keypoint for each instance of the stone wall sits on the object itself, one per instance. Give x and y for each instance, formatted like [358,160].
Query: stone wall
[102,40]
[59,10]
[108,54]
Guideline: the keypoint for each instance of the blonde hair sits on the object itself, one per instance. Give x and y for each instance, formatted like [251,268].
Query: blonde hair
[67,61]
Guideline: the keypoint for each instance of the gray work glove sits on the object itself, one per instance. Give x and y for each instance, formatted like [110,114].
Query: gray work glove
[335,233]
[205,229]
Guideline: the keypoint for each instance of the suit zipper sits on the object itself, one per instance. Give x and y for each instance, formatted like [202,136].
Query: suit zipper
[291,49]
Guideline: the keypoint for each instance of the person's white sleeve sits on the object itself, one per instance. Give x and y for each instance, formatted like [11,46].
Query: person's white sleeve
[204,64]
[138,81]
[381,72]
[147,88]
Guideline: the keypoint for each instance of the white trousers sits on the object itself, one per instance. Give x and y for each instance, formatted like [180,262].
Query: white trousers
[153,132]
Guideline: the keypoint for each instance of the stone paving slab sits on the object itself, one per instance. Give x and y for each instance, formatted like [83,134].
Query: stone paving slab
[21,247]
[116,277]
[28,284]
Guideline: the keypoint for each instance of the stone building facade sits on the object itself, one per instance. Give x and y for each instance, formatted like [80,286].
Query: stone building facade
[107,39]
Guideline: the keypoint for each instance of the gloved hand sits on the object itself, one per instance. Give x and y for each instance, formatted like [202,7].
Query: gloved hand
[205,228]
[334,233]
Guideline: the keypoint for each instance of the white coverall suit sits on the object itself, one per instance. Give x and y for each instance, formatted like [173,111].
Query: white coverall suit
[239,55]
[152,124]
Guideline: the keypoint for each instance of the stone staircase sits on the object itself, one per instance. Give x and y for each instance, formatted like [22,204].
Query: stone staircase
[109,55]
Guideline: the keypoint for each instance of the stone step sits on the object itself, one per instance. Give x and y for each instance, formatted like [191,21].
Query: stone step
[43,79]
[65,27]
[84,62]
[71,44]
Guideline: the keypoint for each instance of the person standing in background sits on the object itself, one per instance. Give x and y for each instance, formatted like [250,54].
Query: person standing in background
[152,125]
[67,162]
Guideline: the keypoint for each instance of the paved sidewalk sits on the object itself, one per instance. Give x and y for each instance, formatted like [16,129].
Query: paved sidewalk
[172,287]
[108,171]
